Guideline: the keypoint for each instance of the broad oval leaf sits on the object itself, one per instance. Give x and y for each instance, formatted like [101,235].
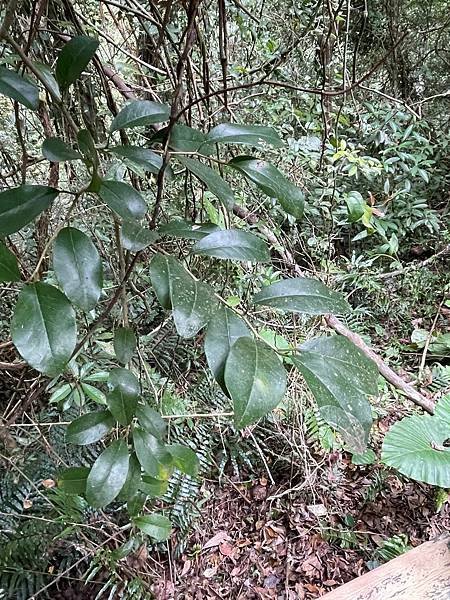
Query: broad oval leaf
[18,88]
[162,269]
[89,428]
[152,487]
[183,138]
[108,475]
[250,135]
[272,182]
[133,480]
[188,231]
[124,344]
[213,181]
[9,268]
[74,58]
[139,113]
[78,267]
[123,199]
[136,237]
[57,150]
[48,79]
[233,244]
[156,526]
[224,329]
[255,379]
[93,393]
[43,328]
[73,480]
[87,148]
[184,459]
[151,421]
[152,454]
[20,205]
[142,158]
[353,433]
[123,398]
[302,295]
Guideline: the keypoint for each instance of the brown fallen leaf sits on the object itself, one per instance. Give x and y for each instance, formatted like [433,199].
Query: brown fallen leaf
[217,539]
[226,549]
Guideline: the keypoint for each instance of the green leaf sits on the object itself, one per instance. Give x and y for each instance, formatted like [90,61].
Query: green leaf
[87,147]
[136,237]
[93,393]
[213,181]
[185,139]
[123,199]
[143,158]
[151,421]
[156,526]
[354,434]
[224,329]
[124,344]
[89,428]
[161,269]
[56,150]
[20,205]
[188,231]
[73,480]
[43,328]
[272,182]
[139,113]
[74,58]
[184,459]
[123,398]
[152,454]
[48,79]
[255,379]
[78,267]
[302,295]
[366,458]
[250,135]
[155,488]
[133,480]
[108,475]
[16,87]
[9,268]
[233,244]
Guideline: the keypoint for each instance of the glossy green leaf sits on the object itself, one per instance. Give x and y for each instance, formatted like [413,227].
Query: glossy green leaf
[139,113]
[43,328]
[233,244]
[365,458]
[213,181]
[353,433]
[9,268]
[143,158]
[250,135]
[155,526]
[124,344]
[108,475]
[123,199]
[152,454]
[93,393]
[155,488]
[74,58]
[151,421]
[89,428]
[186,139]
[136,237]
[224,329]
[48,78]
[87,147]
[73,480]
[16,87]
[135,504]
[162,270]
[78,267]
[57,150]
[255,379]
[133,480]
[302,295]
[123,398]
[272,182]
[188,231]
[184,459]
[20,205]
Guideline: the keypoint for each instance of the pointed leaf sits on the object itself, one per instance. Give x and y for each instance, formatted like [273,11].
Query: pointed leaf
[139,113]
[73,480]
[87,147]
[302,295]
[152,454]
[74,58]
[272,182]
[56,150]
[123,398]
[213,181]
[43,328]
[186,139]
[48,79]
[89,428]
[20,205]
[123,199]
[162,270]
[152,487]
[16,87]
[255,379]
[184,459]
[193,303]
[224,329]
[151,421]
[93,393]
[233,244]
[9,268]
[124,344]
[108,475]
[250,135]
[78,267]
[156,526]
[136,237]
[188,231]
[133,480]
[143,158]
